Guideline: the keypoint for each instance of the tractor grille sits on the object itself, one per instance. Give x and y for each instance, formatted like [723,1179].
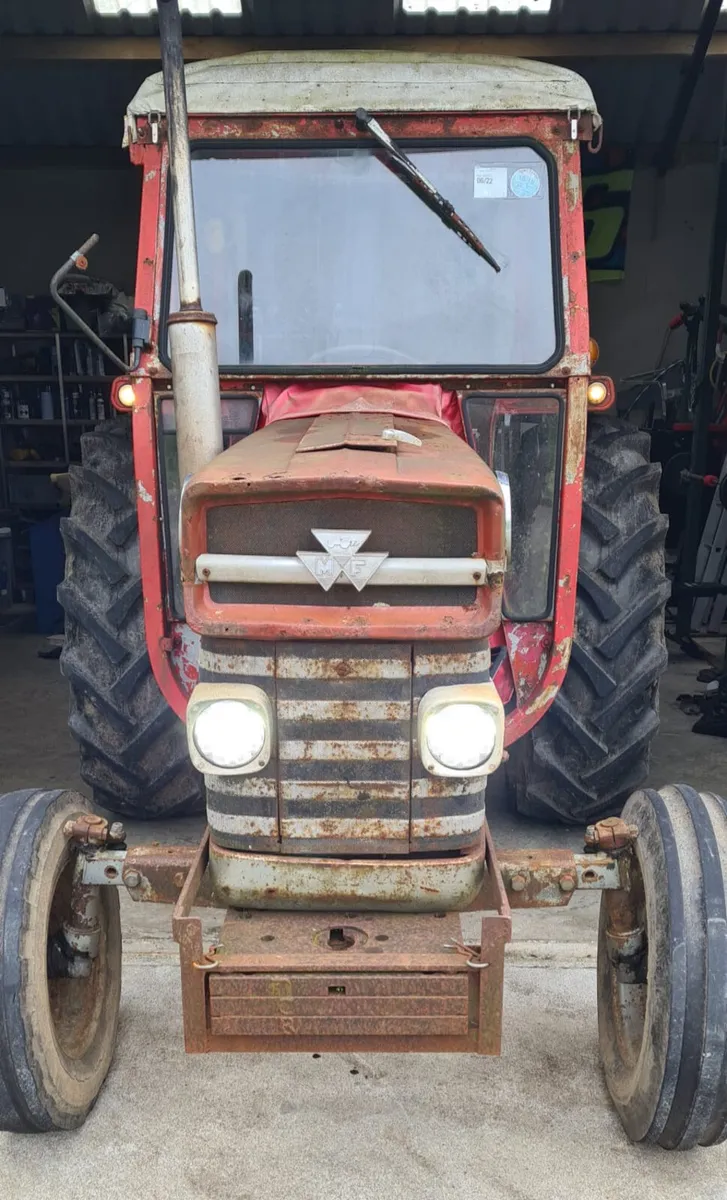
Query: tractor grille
[402,528]
[345,777]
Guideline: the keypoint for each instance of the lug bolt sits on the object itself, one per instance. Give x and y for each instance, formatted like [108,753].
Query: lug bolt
[518,883]
[132,879]
[567,883]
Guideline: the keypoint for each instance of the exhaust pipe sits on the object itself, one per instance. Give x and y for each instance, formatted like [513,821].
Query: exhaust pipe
[192,338]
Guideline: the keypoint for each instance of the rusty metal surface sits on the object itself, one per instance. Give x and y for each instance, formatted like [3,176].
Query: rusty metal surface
[624,921]
[342,982]
[156,874]
[611,834]
[187,931]
[302,941]
[91,829]
[268,467]
[548,878]
[288,882]
[339,1004]
[345,777]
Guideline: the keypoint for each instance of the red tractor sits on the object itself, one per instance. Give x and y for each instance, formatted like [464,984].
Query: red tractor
[347,539]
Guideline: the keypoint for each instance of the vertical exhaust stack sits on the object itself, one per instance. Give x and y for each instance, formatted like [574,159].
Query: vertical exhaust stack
[192,338]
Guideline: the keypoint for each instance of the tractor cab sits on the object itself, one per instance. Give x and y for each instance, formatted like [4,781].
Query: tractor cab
[365,570]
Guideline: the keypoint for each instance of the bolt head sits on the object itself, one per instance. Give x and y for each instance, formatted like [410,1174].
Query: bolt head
[132,879]
[518,883]
[117,833]
[567,883]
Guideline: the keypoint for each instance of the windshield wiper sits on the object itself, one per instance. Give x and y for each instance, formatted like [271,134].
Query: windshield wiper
[420,185]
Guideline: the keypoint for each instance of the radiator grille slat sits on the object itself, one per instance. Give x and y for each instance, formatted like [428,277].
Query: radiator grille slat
[346,777]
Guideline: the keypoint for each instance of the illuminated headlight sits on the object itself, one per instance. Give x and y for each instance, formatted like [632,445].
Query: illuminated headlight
[229,728]
[461,730]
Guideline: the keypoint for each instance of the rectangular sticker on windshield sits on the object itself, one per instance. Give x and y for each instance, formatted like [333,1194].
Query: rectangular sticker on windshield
[490,183]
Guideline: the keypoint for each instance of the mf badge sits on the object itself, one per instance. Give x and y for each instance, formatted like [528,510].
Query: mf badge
[342,558]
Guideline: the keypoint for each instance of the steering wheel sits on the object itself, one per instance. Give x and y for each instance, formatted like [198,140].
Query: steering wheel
[334,354]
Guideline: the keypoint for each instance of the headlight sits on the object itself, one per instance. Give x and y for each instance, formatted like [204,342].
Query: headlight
[229,733]
[229,728]
[461,736]
[461,730]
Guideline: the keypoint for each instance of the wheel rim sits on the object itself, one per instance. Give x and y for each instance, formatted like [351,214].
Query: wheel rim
[628,970]
[75,1003]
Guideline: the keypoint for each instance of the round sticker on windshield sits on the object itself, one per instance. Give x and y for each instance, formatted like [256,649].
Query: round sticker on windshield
[525,183]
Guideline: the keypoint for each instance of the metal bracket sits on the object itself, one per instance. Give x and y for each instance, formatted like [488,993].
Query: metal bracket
[574,116]
[548,878]
[104,867]
[154,123]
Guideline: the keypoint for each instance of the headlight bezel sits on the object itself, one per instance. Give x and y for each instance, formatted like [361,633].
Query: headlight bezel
[483,695]
[207,694]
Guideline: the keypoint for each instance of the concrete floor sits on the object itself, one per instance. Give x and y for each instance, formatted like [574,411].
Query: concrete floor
[534,1125]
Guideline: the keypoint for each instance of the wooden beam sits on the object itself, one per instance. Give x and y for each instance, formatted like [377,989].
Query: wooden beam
[551,46]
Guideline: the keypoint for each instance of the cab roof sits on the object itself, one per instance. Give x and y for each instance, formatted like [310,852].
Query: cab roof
[315,81]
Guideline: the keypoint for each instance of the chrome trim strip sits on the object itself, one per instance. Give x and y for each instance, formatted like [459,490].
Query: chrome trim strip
[393,572]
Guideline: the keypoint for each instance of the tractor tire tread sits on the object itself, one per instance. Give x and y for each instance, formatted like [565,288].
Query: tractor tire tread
[591,749]
[133,747]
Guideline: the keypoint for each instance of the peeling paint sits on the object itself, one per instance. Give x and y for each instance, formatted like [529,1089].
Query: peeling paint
[572,189]
[575,449]
[142,493]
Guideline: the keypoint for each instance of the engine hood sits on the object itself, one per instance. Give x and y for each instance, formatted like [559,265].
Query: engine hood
[347,452]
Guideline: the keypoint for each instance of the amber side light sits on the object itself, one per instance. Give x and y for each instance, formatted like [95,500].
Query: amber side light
[594,351]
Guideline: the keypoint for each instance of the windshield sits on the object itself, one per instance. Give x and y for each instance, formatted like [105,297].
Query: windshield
[324,257]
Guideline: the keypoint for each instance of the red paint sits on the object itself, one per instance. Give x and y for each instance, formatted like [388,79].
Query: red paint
[279,466]
[150,549]
[401,400]
[538,652]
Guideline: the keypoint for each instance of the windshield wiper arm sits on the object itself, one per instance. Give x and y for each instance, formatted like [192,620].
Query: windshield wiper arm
[420,185]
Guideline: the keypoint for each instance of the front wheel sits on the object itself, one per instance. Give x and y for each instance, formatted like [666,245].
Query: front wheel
[662,972]
[59,1004]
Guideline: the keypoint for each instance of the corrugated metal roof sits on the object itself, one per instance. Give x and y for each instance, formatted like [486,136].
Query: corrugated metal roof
[362,17]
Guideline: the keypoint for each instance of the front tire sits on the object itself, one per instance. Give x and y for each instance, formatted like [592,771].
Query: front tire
[57,1031]
[592,747]
[662,973]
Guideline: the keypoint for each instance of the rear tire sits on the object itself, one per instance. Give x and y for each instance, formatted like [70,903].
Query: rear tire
[57,1032]
[133,746]
[662,973]
[592,747]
